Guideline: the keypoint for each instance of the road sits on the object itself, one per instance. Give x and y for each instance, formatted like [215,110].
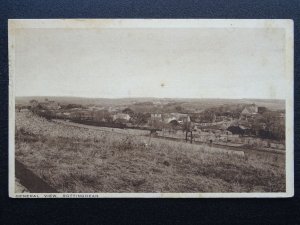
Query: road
[133,132]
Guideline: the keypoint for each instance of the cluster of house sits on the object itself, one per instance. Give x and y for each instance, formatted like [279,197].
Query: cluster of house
[223,123]
[236,131]
[175,118]
[218,127]
[231,131]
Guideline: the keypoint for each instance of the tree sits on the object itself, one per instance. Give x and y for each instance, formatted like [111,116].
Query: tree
[140,118]
[174,123]
[275,125]
[33,102]
[179,109]
[128,111]
[34,105]
[262,109]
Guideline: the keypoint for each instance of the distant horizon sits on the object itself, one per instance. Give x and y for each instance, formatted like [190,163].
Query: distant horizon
[215,98]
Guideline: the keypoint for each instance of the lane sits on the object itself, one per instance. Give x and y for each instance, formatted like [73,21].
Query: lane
[127,132]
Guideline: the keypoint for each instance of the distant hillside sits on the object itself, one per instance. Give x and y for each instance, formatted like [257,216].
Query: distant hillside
[170,103]
[272,104]
[78,100]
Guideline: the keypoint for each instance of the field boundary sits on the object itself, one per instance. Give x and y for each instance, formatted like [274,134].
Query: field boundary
[30,180]
[226,147]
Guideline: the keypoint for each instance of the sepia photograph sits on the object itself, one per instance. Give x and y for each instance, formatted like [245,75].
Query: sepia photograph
[155,108]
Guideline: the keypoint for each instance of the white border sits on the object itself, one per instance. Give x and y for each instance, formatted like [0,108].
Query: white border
[288,25]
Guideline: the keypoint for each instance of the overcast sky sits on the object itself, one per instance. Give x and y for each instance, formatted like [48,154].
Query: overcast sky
[155,62]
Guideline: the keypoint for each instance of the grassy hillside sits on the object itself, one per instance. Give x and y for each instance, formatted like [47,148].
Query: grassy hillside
[73,159]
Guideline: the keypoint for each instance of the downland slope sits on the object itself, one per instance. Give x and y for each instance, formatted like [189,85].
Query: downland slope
[73,159]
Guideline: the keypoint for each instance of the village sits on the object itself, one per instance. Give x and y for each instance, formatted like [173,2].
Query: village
[232,125]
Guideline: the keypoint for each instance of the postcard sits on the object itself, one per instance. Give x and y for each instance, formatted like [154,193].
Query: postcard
[151,108]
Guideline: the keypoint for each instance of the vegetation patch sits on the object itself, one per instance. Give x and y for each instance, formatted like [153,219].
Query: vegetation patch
[75,159]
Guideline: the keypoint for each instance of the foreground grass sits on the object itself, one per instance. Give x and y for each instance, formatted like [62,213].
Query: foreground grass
[74,159]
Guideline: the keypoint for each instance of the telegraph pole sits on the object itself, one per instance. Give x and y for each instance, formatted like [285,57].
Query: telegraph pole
[186,134]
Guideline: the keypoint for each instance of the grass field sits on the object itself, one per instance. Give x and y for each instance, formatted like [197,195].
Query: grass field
[78,159]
